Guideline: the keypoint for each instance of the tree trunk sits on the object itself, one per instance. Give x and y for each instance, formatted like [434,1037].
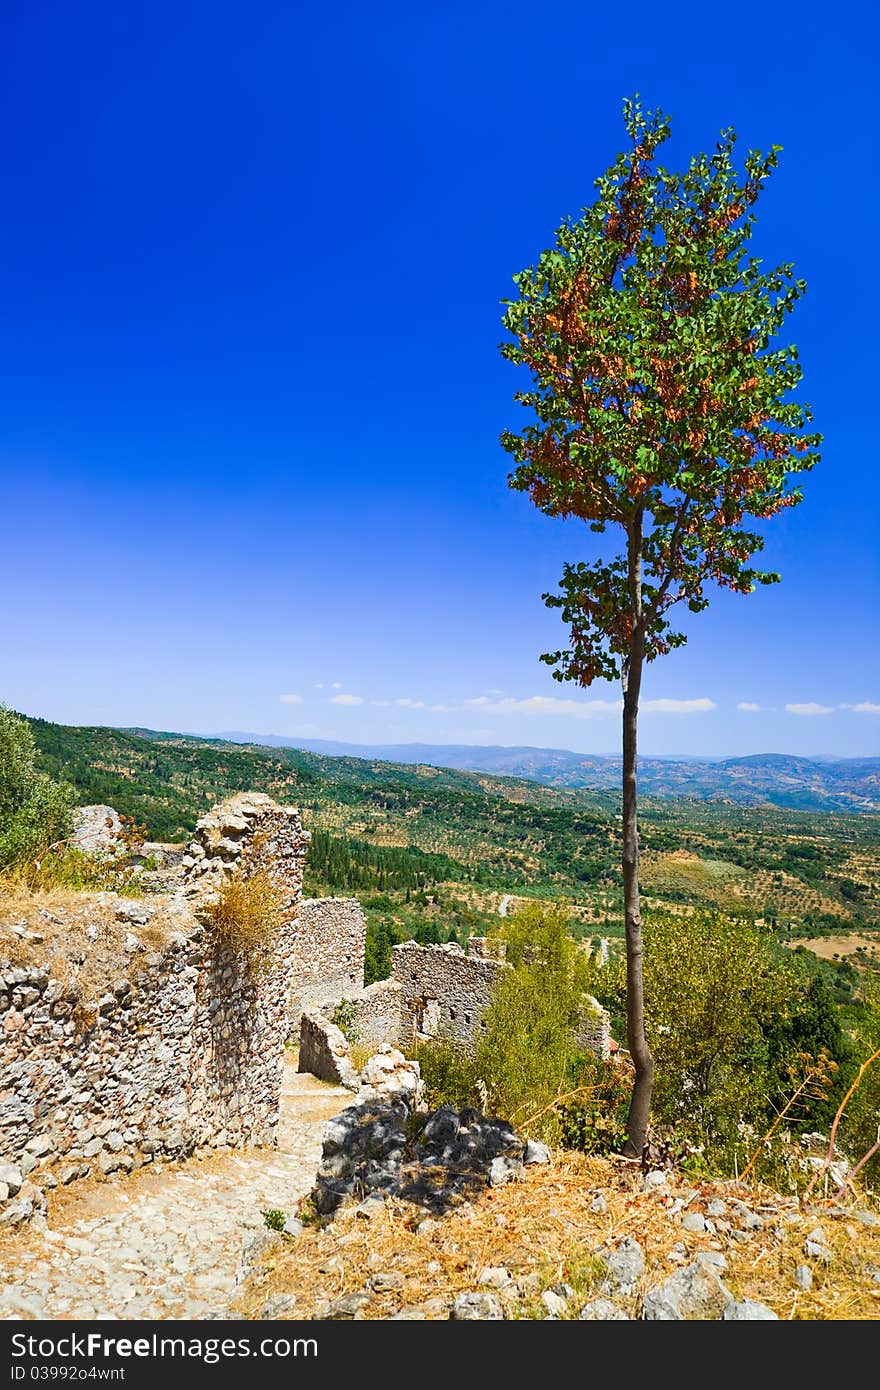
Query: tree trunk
[640,1103]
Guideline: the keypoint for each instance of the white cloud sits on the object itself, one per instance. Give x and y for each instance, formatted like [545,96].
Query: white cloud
[347,700]
[810,708]
[380,704]
[406,703]
[749,707]
[441,709]
[291,699]
[546,704]
[337,685]
[867,707]
[319,685]
[699,706]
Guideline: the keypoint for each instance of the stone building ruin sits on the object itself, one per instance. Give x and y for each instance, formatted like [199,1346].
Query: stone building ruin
[184,1049]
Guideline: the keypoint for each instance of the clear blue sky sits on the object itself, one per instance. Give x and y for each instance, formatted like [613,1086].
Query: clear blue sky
[252,258]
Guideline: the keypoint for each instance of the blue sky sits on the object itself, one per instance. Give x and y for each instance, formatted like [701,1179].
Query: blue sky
[251,270]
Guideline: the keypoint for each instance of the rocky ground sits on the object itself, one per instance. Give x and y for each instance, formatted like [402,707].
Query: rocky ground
[453,1216]
[172,1240]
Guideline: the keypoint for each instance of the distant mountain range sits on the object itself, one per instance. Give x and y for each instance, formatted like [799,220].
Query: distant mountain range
[762,779]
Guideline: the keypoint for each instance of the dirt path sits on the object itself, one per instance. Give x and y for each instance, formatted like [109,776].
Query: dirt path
[166,1242]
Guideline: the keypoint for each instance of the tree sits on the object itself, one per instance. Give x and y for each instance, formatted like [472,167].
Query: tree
[34,810]
[660,407]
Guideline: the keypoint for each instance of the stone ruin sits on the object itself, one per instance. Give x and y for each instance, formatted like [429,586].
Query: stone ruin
[184,1050]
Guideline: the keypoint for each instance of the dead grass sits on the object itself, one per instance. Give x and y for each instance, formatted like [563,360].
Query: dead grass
[78,935]
[543,1230]
[244,915]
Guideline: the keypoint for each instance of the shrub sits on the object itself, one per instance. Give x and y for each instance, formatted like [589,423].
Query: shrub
[730,1023]
[35,812]
[275,1219]
[244,916]
[528,1056]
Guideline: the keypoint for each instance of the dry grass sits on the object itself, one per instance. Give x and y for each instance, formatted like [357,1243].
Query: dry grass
[78,935]
[244,915]
[543,1230]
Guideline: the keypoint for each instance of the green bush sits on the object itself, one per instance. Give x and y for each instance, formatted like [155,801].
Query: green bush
[733,1026]
[35,812]
[528,1055]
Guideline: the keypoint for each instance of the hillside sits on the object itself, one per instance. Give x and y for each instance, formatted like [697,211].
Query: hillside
[764,779]
[396,828]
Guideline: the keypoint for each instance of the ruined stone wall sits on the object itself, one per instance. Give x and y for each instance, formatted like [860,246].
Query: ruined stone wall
[328,962]
[443,991]
[370,1017]
[184,1050]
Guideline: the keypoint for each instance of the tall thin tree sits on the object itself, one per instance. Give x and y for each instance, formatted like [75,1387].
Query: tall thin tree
[661,405]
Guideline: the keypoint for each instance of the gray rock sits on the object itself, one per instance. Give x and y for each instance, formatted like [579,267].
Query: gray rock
[555,1305]
[40,1145]
[370,1207]
[17,1212]
[11,1174]
[293,1226]
[495,1277]
[625,1265]
[280,1305]
[867,1218]
[410,1313]
[504,1169]
[748,1311]
[803,1277]
[599,1205]
[536,1152]
[351,1305]
[750,1220]
[385,1281]
[693,1221]
[816,1246]
[477,1307]
[713,1259]
[716,1208]
[603,1310]
[695,1292]
[656,1178]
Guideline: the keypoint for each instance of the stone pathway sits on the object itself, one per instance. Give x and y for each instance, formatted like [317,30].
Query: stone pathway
[166,1242]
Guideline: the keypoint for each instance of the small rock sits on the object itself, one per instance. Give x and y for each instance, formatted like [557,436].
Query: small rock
[603,1310]
[867,1218]
[716,1208]
[625,1265]
[656,1178]
[409,1313]
[371,1206]
[504,1169]
[693,1292]
[477,1307]
[816,1246]
[17,1212]
[386,1281]
[555,1305]
[599,1205]
[12,1176]
[293,1226]
[693,1221]
[40,1145]
[748,1311]
[713,1259]
[351,1305]
[536,1152]
[494,1277]
[803,1277]
[278,1306]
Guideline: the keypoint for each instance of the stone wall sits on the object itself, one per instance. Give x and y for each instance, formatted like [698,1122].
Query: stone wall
[324,1050]
[443,991]
[329,954]
[370,1017]
[184,1049]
